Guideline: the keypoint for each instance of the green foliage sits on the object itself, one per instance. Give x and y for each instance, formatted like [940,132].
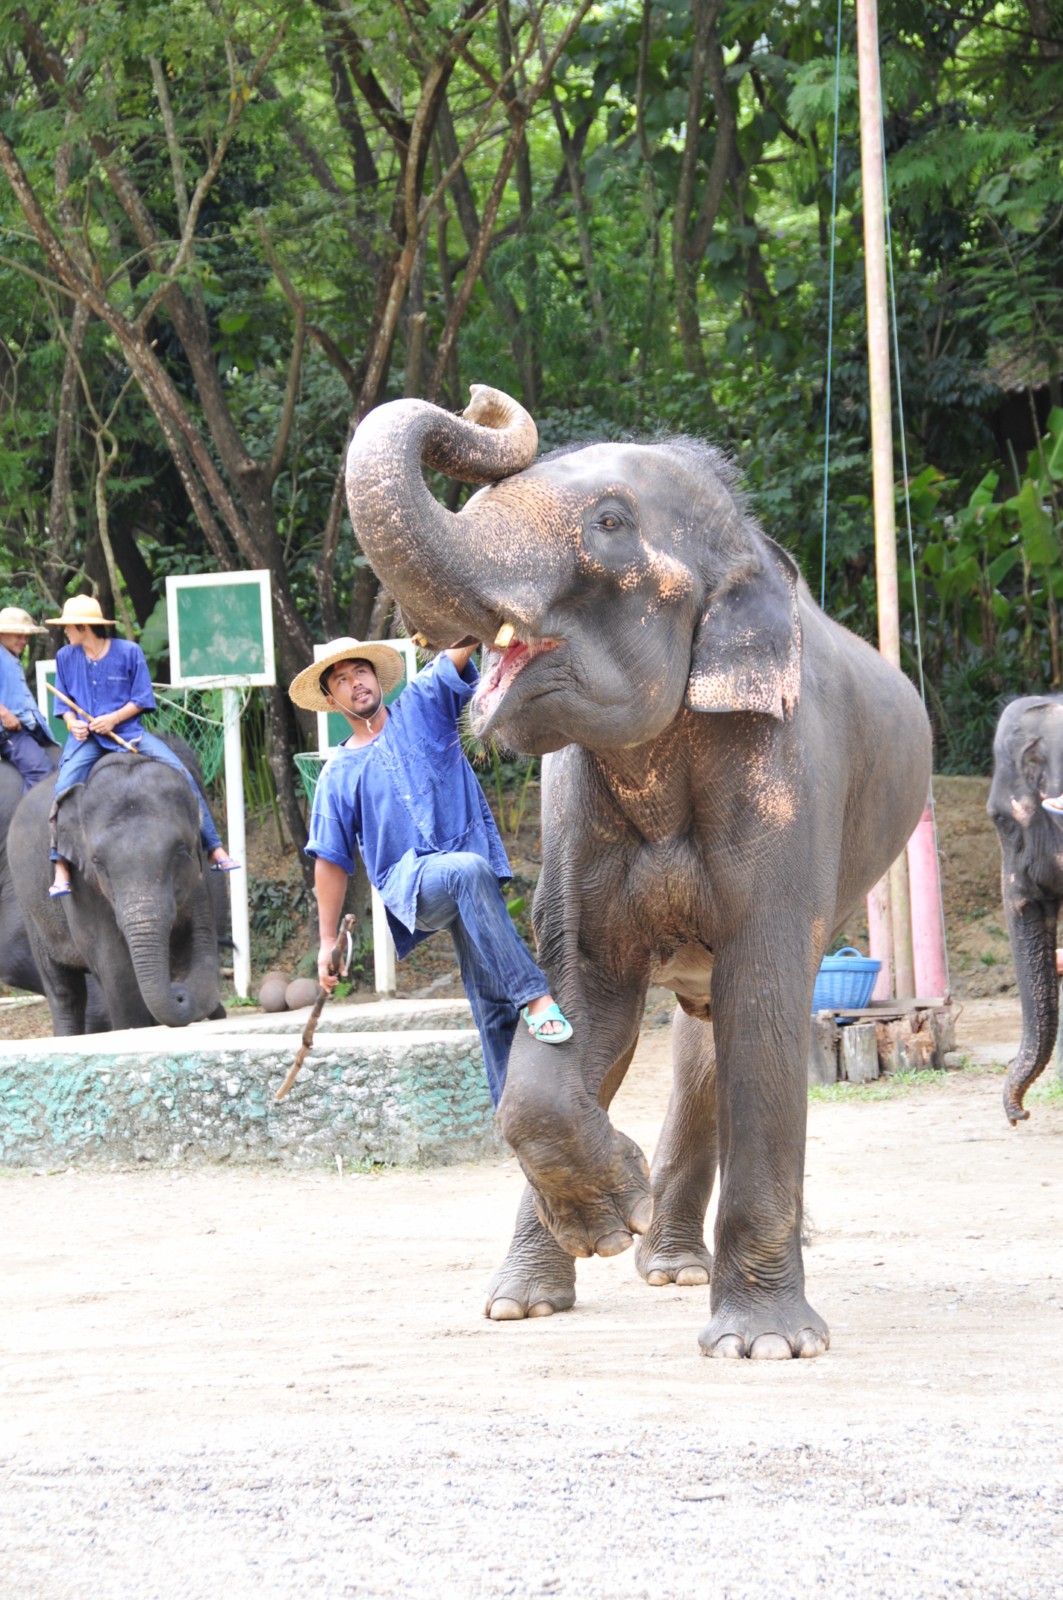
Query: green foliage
[576,309]
[278,909]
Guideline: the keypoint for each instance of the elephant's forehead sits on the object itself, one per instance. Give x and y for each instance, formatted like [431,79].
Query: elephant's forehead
[527,506]
[552,493]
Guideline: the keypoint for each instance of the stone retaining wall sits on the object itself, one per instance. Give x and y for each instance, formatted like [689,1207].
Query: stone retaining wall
[206,1093]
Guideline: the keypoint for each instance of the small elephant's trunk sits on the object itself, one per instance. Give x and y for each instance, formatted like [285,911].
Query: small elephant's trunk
[172,1002]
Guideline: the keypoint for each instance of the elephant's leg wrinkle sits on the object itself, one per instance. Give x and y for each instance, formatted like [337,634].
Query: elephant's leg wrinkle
[758,1299]
[537,1278]
[673,1249]
[590,1182]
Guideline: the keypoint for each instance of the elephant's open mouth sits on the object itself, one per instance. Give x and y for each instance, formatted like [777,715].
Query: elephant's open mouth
[502,667]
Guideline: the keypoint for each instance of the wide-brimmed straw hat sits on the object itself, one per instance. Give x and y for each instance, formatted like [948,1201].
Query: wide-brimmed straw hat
[82,611]
[14,620]
[385,661]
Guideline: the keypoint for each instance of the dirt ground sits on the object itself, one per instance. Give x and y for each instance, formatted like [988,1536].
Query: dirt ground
[228,1383]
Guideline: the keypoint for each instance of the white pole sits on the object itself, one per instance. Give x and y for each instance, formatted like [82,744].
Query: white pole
[383,949]
[236,841]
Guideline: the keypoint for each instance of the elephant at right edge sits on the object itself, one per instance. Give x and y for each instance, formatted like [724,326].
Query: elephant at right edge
[728,772]
[1028,767]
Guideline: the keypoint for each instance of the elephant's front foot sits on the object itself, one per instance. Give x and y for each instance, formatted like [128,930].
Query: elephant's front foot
[537,1277]
[664,1255]
[529,1287]
[595,1210]
[772,1330]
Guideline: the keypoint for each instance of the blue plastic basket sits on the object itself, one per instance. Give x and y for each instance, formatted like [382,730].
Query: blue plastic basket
[844,981]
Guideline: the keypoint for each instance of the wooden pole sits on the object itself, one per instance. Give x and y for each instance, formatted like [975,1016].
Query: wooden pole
[899,920]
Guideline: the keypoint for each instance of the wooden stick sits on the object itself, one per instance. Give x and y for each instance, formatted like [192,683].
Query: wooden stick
[338,963]
[59,695]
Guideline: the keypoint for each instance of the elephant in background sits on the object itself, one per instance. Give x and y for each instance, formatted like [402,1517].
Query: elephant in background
[141,920]
[17,965]
[728,771]
[1027,767]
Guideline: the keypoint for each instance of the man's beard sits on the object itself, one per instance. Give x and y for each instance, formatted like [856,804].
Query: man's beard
[364,715]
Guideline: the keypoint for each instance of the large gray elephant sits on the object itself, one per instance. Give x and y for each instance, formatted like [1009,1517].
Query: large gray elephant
[141,919]
[729,772]
[17,966]
[1027,767]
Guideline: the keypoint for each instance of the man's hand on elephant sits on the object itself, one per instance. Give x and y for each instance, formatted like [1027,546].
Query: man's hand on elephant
[9,720]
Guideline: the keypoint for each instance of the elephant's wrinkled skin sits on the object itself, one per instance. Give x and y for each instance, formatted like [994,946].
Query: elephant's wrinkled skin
[140,918]
[1027,767]
[732,772]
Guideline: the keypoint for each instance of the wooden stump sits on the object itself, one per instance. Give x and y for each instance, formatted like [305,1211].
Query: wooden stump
[859,1052]
[823,1051]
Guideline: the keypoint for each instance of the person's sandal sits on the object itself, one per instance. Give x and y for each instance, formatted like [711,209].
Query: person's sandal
[57,891]
[553,1013]
[225,866]
[1054,804]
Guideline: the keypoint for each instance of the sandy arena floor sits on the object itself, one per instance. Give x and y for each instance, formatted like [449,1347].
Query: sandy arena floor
[225,1384]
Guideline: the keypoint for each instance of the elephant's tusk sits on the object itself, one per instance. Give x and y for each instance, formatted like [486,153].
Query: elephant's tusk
[504,636]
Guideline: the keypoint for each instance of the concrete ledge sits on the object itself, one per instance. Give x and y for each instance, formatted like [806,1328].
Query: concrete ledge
[375,1016]
[205,1093]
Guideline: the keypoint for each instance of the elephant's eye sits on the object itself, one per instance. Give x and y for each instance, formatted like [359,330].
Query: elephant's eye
[609,521]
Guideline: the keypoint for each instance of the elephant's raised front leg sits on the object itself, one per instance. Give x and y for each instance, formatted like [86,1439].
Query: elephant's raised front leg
[590,1183]
[1032,928]
[537,1277]
[673,1249]
[758,1285]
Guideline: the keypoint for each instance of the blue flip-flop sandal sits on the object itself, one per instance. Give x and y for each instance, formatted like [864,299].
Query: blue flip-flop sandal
[553,1013]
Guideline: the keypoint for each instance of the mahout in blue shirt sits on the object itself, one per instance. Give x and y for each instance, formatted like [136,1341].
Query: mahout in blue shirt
[119,676]
[408,795]
[16,695]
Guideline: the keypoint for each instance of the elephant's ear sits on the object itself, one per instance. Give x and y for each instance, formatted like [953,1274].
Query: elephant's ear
[747,647]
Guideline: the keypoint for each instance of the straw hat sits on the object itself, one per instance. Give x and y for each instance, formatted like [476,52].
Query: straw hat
[83,611]
[14,620]
[387,663]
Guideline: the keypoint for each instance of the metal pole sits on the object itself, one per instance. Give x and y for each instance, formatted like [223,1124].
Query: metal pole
[878,363]
[237,841]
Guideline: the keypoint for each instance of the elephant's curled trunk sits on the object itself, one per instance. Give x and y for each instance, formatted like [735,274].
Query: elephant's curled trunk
[432,560]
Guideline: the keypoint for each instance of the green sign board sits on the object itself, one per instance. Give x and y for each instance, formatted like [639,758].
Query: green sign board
[221,630]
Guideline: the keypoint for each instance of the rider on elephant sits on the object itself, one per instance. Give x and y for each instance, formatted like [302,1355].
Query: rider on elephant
[108,679]
[400,791]
[25,736]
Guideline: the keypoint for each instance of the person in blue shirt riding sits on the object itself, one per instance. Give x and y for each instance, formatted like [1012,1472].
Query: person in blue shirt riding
[109,679]
[25,737]
[401,794]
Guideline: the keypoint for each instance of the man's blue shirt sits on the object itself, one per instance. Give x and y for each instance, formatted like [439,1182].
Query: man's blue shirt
[408,795]
[15,694]
[106,685]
